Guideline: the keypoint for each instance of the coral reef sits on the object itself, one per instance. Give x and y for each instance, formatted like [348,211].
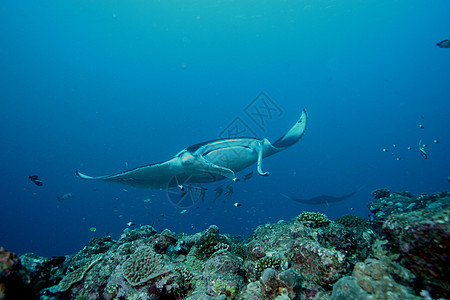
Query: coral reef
[314,219]
[422,238]
[400,254]
[387,203]
[352,221]
[376,278]
[14,278]
[418,229]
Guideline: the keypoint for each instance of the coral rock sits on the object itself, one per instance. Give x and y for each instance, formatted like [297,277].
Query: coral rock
[319,264]
[423,239]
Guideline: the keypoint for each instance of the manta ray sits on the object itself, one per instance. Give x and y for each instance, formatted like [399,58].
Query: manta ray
[207,162]
[320,200]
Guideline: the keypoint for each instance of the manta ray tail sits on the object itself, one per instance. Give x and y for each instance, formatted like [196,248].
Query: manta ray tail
[293,135]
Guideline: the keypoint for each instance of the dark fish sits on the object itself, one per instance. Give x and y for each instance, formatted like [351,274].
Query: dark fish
[219,191]
[444,44]
[248,176]
[228,193]
[423,150]
[320,200]
[202,193]
[35,179]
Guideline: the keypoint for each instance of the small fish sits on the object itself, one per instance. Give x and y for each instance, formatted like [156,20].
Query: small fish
[147,200]
[444,44]
[409,148]
[130,224]
[422,150]
[248,176]
[183,211]
[436,141]
[219,191]
[35,179]
[423,153]
[202,193]
[237,204]
[385,150]
[421,126]
[395,146]
[64,197]
[93,229]
[228,193]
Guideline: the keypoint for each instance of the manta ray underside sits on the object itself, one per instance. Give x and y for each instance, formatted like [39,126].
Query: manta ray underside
[207,162]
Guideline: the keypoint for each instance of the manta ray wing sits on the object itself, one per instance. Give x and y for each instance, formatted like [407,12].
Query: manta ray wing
[294,134]
[154,176]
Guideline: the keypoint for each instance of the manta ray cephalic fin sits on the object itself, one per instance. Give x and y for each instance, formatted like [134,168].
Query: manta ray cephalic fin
[259,162]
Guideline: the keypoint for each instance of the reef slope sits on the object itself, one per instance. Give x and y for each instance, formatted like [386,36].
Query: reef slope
[401,252]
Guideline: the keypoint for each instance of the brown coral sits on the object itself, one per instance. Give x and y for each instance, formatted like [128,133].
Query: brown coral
[8,261]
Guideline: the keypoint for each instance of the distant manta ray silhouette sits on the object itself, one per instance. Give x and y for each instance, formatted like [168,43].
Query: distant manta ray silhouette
[320,200]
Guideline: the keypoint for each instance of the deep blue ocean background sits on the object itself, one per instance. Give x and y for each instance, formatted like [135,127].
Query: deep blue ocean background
[105,86]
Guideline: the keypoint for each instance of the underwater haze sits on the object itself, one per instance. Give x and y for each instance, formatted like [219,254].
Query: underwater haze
[106,86]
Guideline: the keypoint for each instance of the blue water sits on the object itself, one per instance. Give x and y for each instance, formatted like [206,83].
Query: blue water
[104,86]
